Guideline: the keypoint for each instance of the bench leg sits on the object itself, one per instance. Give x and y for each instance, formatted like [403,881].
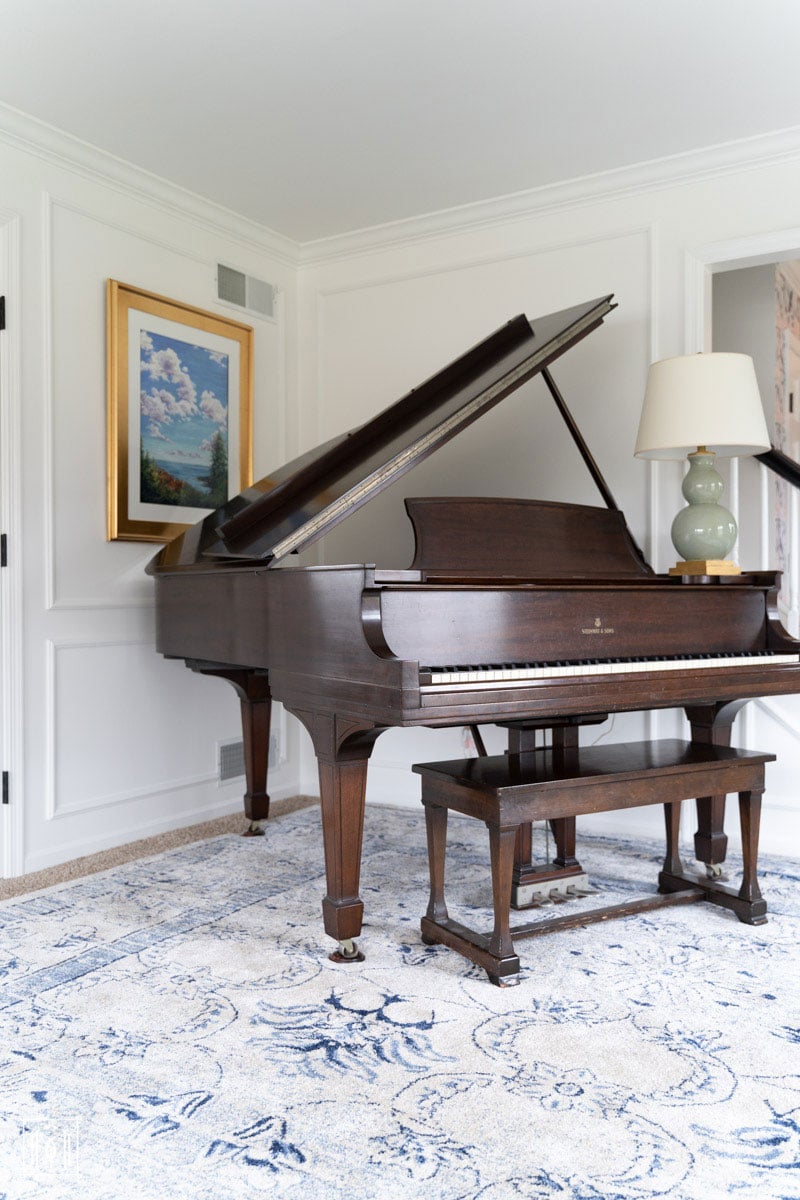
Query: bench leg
[672,820]
[750,818]
[747,903]
[671,877]
[501,947]
[436,829]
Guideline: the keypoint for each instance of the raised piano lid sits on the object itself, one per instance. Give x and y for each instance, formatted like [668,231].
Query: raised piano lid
[297,504]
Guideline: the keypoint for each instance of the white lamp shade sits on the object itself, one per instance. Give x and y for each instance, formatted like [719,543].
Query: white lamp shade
[709,400]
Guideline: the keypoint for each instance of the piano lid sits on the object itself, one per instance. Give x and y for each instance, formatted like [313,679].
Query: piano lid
[296,505]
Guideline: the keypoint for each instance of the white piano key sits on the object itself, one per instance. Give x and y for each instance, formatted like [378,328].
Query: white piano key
[520,676]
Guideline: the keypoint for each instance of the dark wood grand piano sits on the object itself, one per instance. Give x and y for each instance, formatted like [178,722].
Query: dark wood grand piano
[525,613]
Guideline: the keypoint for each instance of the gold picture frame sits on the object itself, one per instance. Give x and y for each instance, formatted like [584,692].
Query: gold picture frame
[180,413]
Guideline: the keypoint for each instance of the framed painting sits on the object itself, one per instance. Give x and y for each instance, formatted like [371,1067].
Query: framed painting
[180,405]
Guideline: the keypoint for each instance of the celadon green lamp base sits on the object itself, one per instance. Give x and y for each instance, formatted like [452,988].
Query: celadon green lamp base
[704,529]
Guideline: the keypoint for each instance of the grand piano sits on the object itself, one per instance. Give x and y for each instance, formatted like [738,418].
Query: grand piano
[528,614]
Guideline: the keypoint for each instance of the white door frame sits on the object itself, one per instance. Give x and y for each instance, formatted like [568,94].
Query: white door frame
[702,263]
[11,631]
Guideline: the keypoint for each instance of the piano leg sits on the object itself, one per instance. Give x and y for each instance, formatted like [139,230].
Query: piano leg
[252,688]
[711,725]
[343,748]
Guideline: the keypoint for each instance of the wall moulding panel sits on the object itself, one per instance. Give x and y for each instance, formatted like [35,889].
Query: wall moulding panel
[107,743]
[367,276]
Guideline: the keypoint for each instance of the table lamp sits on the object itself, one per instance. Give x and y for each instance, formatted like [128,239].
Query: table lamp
[702,405]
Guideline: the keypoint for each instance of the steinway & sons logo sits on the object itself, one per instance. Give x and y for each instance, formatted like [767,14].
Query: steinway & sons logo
[598,627]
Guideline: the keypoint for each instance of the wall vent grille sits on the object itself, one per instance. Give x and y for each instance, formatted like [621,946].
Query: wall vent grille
[231,760]
[245,291]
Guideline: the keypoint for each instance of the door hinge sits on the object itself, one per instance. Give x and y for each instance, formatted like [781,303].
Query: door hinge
[2,312]
[5,787]
[3,550]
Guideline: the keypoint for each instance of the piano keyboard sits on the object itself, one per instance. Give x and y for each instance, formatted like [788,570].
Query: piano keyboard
[436,679]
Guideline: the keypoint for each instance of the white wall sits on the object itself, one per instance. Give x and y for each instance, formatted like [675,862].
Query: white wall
[105,740]
[385,308]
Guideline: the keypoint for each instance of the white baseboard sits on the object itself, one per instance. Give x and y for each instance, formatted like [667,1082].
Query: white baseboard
[122,835]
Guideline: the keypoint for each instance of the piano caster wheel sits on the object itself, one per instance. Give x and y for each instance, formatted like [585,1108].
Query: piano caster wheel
[348,952]
[254,829]
[713,870]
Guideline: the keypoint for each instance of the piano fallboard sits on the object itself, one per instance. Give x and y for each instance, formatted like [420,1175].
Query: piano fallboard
[366,644]
[521,623]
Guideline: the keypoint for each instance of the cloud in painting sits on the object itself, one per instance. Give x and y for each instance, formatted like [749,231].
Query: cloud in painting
[214,409]
[165,364]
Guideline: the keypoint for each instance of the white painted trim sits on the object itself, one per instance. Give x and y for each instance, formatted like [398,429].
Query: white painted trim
[94,603]
[21,131]
[53,810]
[12,676]
[59,149]
[384,278]
[48,403]
[121,836]
[80,847]
[733,502]
[752,251]
[765,524]
[710,162]
[112,798]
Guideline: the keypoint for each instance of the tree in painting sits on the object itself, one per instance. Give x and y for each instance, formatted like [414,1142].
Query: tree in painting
[217,478]
[183,423]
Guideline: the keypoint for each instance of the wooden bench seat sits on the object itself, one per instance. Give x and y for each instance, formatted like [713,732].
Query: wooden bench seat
[505,791]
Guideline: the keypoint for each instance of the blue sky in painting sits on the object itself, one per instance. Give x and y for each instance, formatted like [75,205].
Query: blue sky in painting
[183,401]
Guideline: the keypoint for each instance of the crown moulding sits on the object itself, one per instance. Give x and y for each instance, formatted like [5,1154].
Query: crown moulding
[62,149]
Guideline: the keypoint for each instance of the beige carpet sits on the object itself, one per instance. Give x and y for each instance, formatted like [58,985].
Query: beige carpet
[91,863]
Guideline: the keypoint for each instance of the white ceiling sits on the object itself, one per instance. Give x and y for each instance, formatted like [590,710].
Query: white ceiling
[316,117]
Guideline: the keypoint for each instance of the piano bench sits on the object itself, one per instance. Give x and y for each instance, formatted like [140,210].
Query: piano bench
[507,790]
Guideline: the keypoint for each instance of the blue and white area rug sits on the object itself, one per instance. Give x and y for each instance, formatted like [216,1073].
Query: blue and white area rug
[173,1027]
